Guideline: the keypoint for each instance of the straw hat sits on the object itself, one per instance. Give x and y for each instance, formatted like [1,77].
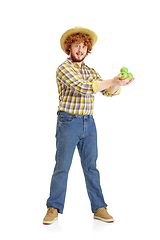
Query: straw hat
[71,31]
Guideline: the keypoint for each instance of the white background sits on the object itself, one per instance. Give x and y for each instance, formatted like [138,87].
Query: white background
[128,125]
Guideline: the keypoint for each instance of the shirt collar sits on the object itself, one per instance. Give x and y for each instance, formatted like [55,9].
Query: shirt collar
[72,62]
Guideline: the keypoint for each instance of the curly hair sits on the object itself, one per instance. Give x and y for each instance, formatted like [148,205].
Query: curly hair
[78,37]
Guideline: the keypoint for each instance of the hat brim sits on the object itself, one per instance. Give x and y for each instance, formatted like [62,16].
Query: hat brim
[71,31]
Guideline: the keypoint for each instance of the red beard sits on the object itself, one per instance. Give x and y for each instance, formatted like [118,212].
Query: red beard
[76,59]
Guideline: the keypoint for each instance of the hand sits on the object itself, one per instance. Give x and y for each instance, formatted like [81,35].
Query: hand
[118,82]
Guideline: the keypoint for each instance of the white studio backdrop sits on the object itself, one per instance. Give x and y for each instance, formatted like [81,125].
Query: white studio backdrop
[127,125]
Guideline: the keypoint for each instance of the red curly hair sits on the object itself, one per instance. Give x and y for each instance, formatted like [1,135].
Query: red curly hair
[78,37]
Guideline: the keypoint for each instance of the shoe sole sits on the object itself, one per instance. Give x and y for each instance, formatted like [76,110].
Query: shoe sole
[50,222]
[104,220]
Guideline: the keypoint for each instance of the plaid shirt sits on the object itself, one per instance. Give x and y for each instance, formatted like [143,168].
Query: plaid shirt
[76,87]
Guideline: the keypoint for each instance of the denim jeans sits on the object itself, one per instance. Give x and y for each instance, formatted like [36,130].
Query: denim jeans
[75,130]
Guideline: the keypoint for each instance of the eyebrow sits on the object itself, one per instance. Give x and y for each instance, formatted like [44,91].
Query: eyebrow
[79,43]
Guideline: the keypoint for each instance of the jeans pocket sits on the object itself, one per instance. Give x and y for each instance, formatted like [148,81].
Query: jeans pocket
[66,119]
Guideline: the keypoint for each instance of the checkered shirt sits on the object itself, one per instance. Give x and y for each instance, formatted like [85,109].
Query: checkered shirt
[76,88]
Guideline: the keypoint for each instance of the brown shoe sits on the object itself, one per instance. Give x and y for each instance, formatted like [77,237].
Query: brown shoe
[102,214]
[51,216]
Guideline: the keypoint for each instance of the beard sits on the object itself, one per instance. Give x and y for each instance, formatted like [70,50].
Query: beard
[76,59]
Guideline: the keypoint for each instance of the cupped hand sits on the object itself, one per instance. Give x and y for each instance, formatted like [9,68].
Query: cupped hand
[125,82]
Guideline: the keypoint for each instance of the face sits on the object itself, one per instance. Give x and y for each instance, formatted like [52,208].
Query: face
[78,52]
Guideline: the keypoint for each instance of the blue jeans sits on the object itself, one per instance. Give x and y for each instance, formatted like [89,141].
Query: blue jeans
[75,130]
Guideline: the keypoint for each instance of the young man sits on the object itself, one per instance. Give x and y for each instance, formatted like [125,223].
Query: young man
[77,85]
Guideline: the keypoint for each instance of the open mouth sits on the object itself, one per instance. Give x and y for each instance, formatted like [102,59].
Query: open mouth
[79,54]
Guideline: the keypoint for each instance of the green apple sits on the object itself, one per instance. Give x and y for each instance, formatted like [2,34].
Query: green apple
[130,75]
[124,69]
[123,75]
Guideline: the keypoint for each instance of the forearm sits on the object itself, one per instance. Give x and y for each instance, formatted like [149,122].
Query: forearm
[114,84]
[106,84]
[114,89]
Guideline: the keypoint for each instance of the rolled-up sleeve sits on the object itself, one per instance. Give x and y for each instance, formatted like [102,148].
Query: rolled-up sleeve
[96,85]
[107,92]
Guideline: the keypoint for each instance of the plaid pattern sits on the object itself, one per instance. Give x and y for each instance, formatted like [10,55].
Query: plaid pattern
[75,87]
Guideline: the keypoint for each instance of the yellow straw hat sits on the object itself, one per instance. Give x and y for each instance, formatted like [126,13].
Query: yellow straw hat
[71,31]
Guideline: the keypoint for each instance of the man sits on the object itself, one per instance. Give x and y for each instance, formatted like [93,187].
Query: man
[77,85]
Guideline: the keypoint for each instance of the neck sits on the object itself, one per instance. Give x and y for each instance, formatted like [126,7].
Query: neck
[79,63]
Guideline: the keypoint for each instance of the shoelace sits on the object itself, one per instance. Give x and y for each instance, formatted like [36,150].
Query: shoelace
[104,209]
[50,210]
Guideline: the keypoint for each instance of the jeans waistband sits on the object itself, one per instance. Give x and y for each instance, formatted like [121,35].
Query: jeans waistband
[72,114]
